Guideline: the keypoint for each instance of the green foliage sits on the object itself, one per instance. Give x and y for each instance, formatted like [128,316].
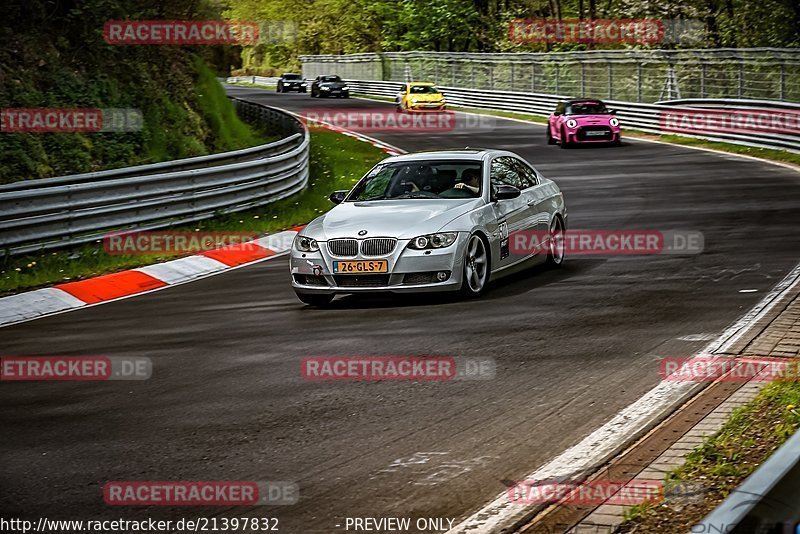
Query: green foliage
[347,26]
[54,55]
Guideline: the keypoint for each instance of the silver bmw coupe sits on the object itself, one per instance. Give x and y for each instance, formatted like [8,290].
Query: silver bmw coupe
[431,221]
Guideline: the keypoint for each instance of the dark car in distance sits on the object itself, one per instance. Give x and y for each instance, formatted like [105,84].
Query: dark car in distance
[291,82]
[329,86]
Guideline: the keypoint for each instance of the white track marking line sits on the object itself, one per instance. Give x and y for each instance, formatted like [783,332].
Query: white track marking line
[612,437]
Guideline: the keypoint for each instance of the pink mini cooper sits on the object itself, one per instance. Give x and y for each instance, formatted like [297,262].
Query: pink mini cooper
[582,121]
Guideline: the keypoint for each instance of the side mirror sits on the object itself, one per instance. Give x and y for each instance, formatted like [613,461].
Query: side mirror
[505,192]
[612,111]
[556,113]
[337,197]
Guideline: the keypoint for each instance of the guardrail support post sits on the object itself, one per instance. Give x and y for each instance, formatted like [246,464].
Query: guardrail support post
[610,80]
[782,89]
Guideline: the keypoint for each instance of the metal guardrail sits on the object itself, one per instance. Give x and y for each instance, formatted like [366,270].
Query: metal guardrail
[767,501]
[636,75]
[256,80]
[643,117]
[68,210]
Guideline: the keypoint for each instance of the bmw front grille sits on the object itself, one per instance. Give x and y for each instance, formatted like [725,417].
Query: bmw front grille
[374,246]
[378,246]
[343,247]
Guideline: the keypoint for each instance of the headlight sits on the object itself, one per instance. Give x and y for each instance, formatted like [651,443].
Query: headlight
[572,123]
[325,88]
[303,84]
[305,244]
[414,100]
[441,240]
[345,88]
[613,121]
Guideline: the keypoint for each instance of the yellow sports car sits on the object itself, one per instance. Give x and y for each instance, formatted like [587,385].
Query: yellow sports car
[420,96]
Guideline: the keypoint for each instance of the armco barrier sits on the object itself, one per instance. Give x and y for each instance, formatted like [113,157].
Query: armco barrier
[767,501]
[68,210]
[642,117]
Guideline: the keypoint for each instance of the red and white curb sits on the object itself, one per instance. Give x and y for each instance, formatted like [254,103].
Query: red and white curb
[115,286]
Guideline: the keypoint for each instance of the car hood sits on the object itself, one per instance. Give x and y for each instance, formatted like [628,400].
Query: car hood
[590,120]
[402,219]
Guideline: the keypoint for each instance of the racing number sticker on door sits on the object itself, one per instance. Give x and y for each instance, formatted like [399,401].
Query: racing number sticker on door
[503,229]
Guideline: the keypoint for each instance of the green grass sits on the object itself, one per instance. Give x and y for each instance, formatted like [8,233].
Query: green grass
[763,153]
[725,459]
[336,162]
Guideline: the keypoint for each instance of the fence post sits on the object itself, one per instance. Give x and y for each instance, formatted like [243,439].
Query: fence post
[782,91]
[583,79]
[741,79]
[512,75]
[638,82]
[558,82]
[702,78]
[610,80]
[533,77]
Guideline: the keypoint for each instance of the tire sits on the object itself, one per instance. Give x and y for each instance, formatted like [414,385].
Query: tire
[556,247]
[563,143]
[279,88]
[320,301]
[303,90]
[475,275]
[550,140]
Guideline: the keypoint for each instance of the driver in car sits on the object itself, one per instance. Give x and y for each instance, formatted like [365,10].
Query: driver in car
[471,180]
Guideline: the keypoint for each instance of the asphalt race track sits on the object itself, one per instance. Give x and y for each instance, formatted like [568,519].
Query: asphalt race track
[573,346]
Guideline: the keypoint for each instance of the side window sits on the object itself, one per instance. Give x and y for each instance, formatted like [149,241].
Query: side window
[503,171]
[560,107]
[527,175]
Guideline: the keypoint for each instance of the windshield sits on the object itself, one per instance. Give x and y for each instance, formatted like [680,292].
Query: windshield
[331,79]
[424,90]
[291,76]
[420,179]
[586,108]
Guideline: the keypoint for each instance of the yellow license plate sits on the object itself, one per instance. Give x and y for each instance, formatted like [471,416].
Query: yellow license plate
[357,267]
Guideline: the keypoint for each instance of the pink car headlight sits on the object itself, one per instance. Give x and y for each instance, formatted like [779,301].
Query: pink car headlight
[613,121]
[572,123]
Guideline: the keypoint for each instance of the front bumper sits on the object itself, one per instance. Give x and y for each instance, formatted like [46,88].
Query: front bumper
[335,92]
[427,107]
[593,134]
[409,271]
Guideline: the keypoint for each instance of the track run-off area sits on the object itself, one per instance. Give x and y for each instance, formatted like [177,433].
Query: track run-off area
[573,346]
